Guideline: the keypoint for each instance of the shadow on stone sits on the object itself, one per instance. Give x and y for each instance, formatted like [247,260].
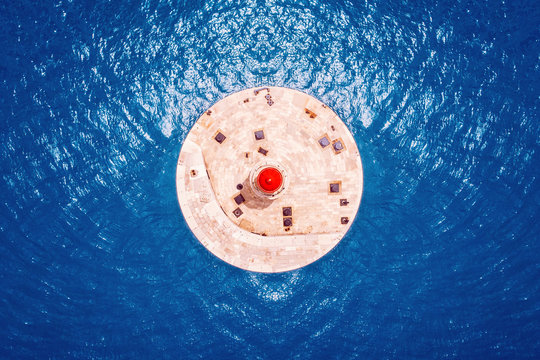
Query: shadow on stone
[253,201]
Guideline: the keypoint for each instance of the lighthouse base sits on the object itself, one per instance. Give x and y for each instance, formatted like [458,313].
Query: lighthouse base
[321,192]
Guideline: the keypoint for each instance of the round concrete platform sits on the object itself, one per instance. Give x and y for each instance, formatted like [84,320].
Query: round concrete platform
[320,175]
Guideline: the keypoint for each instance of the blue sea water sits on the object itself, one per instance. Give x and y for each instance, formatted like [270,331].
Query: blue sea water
[442,261]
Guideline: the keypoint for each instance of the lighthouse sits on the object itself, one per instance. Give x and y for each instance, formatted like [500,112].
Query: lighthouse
[269,179]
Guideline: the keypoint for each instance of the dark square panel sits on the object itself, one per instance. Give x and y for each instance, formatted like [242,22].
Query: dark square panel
[220,137]
[263,151]
[259,135]
[239,199]
[324,142]
[237,212]
[334,187]
[343,202]
[287,221]
[287,211]
[338,146]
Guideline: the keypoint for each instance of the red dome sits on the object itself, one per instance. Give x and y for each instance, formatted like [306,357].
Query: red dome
[270,179]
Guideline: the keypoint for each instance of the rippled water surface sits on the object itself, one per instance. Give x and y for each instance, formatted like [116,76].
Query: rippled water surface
[442,260]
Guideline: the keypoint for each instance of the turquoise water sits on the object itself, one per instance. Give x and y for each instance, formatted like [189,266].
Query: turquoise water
[442,261]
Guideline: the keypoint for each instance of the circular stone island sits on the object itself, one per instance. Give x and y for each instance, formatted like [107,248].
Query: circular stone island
[269,179]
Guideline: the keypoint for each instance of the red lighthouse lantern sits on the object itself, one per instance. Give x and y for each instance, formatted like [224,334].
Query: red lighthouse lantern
[270,179]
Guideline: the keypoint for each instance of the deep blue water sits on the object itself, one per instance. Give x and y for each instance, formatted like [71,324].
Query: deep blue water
[442,261]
